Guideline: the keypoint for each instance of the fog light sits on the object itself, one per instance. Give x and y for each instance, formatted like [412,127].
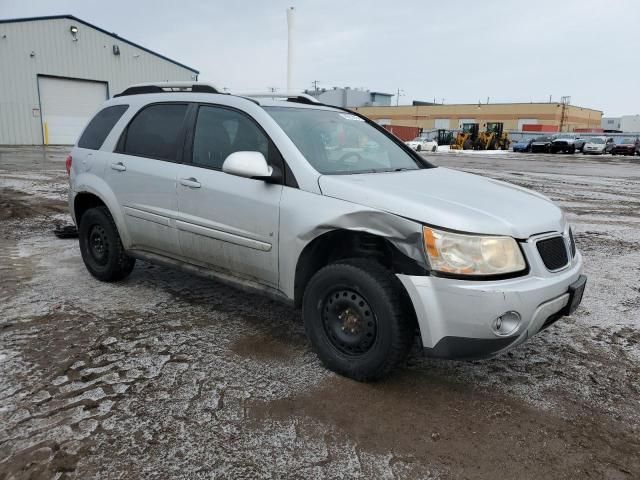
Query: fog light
[506,324]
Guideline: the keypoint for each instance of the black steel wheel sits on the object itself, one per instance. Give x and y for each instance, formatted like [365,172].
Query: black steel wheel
[358,318]
[101,248]
[98,244]
[349,322]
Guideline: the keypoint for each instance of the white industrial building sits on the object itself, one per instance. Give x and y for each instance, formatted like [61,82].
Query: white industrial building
[351,97]
[55,72]
[624,124]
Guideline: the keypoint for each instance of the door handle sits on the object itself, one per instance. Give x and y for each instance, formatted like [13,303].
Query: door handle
[118,166]
[190,182]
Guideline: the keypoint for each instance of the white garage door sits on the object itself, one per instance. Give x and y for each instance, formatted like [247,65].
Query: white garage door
[67,106]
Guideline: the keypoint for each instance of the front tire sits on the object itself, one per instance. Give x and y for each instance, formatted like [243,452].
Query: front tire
[101,247]
[358,319]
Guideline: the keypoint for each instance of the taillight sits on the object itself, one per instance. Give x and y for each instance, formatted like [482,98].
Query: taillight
[67,164]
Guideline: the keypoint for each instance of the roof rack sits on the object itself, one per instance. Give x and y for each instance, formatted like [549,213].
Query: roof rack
[287,97]
[161,87]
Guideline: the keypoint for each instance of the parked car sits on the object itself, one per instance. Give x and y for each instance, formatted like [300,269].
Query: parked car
[541,145]
[626,146]
[567,143]
[323,209]
[598,145]
[422,144]
[523,145]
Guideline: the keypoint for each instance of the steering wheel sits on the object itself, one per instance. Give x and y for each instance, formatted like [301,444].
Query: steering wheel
[348,155]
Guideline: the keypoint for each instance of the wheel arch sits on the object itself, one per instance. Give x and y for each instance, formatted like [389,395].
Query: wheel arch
[341,243]
[92,192]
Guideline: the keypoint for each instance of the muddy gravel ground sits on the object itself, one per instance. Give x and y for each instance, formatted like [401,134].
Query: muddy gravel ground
[165,375]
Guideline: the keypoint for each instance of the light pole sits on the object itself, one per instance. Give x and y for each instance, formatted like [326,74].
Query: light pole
[290,23]
[398,94]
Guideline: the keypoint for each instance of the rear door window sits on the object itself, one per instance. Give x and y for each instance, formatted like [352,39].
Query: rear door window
[156,132]
[100,126]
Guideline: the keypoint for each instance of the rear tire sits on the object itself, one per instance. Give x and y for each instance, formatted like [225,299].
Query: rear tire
[358,319]
[418,148]
[101,247]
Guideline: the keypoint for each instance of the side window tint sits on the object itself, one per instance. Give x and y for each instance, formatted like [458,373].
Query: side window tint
[100,126]
[220,132]
[155,132]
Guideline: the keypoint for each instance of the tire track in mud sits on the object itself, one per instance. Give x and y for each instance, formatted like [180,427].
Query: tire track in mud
[15,270]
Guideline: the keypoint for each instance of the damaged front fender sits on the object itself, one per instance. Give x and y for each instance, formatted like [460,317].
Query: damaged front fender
[306,216]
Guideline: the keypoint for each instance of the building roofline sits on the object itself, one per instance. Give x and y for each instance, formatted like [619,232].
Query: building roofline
[475,105]
[111,34]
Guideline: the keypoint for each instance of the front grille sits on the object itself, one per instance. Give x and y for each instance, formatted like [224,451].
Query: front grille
[573,243]
[553,252]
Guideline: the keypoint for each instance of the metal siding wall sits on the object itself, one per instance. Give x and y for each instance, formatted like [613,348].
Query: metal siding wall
[57,54]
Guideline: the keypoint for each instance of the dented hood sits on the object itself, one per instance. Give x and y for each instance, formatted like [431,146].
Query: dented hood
[450,199]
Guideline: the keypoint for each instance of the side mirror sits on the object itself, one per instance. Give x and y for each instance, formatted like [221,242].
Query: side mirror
[251,165]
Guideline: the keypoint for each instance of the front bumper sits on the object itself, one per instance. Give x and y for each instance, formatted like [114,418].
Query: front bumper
[593,151]
[456,316]
[624,151]
[540,148]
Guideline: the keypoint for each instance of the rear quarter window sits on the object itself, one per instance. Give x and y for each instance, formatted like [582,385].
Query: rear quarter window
[100,126]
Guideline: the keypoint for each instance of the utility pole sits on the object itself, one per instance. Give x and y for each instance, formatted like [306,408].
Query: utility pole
[315,85]
[398,93]
[565,101]
[272,89]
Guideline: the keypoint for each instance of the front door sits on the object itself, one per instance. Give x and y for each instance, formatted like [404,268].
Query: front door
[143,173]
[228,222]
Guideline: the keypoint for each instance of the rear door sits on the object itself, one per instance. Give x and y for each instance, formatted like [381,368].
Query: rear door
[226,221]
[142,173]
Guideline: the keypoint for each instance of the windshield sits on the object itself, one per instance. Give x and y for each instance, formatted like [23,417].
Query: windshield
[418,139]
[335,142]
[564,136]
[542,139]
[596,140]
[621,141]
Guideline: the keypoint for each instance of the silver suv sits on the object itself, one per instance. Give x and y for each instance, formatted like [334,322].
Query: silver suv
[321,208]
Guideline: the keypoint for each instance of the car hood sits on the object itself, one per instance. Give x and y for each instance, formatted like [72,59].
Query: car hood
[541,143]
[450,199]
[594,145]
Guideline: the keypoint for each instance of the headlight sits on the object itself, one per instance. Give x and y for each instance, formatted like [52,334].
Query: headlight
[471,254]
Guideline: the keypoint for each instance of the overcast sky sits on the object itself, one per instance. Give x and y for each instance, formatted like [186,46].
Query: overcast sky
[458,50]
